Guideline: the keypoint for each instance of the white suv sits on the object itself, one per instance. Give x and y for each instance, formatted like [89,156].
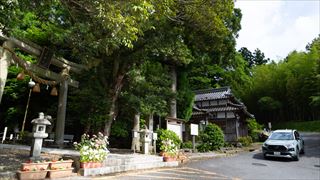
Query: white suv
[283,143]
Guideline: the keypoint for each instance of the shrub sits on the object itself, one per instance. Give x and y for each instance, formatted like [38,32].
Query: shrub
[212,138]
[254,129]
[187,145]
[245,141]
[165,135]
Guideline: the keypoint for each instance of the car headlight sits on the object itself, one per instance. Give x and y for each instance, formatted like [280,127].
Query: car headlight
[290,146]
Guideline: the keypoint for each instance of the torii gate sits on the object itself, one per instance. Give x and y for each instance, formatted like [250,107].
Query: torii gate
[8,58]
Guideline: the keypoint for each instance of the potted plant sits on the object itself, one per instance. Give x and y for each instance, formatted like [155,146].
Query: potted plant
[60,164]
[60,168]
[93,150]
[32,174]
[37,165]
[170,150]
[33,170]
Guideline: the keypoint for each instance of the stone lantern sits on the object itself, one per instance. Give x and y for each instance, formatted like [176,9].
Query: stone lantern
[146,140]
[38,134]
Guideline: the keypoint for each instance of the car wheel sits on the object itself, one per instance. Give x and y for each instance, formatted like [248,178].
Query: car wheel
[302,149]
[296,157]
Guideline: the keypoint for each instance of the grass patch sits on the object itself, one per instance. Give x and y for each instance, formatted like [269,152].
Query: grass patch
[306,126]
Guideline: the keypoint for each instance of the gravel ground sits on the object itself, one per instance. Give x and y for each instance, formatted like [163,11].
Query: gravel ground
[11,159]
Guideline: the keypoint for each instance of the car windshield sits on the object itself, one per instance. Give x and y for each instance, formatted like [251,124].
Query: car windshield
[281,136]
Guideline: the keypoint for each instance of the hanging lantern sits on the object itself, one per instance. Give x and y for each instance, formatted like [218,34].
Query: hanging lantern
[54,91]
[21,76]
[36,88]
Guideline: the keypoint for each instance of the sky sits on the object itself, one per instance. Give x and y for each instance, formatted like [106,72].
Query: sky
[278,27]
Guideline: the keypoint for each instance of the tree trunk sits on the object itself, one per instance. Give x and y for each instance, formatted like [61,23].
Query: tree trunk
[5,62]
[150,123]
[115,92]
[173,105]
[135,145]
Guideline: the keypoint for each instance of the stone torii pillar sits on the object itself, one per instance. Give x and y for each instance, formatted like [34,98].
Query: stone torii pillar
[61,115]
[5,62]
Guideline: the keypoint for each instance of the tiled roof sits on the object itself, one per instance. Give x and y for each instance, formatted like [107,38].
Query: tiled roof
[210,94]
[215,109]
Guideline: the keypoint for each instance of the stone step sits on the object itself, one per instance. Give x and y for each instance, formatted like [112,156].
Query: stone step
[127,167]
[116,160]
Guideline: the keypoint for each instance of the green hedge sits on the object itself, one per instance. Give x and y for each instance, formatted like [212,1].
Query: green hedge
[305,126]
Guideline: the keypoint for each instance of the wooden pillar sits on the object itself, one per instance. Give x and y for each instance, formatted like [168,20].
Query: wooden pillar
[61,116]
[237,129]
[5,62]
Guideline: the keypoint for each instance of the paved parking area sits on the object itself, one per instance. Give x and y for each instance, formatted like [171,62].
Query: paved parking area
[182,173]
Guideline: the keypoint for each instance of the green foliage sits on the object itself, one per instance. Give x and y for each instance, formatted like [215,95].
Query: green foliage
[268,104]
[148,89]
[165,135]
[212,138]
[120,129]
[288,90]
[187,145]
[254,129]
[245,141]
[130,42]
[303,126]
[185,98]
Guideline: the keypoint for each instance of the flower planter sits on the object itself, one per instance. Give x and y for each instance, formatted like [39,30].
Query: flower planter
[90,164]
[65,164]
[25,175]
[34,166]
[169,159]
[60,173]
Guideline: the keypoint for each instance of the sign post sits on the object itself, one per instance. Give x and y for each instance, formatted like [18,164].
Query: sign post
[194,132]
[269,126]
[155,137]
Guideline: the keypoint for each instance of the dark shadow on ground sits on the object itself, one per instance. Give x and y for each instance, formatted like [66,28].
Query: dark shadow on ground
[259,156]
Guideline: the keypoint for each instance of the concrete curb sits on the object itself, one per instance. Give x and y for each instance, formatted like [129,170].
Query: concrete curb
[8,175]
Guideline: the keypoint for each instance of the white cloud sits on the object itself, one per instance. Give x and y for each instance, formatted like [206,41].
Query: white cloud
[276,29]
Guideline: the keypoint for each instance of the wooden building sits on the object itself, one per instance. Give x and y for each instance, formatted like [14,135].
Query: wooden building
[219,106]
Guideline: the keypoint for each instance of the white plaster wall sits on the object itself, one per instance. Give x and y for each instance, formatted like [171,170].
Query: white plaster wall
[221,115]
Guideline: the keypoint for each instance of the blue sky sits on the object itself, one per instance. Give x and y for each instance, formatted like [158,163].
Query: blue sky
[278,27]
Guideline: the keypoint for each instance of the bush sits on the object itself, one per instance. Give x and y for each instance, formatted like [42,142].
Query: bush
[245,141]
[254,129]
[187,145]
[164,135]
[212,138]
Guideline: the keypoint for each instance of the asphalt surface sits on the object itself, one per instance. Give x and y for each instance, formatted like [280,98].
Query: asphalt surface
[252,165]
[246,165]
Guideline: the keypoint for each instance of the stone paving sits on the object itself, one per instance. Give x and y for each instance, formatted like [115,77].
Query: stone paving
[11,156]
